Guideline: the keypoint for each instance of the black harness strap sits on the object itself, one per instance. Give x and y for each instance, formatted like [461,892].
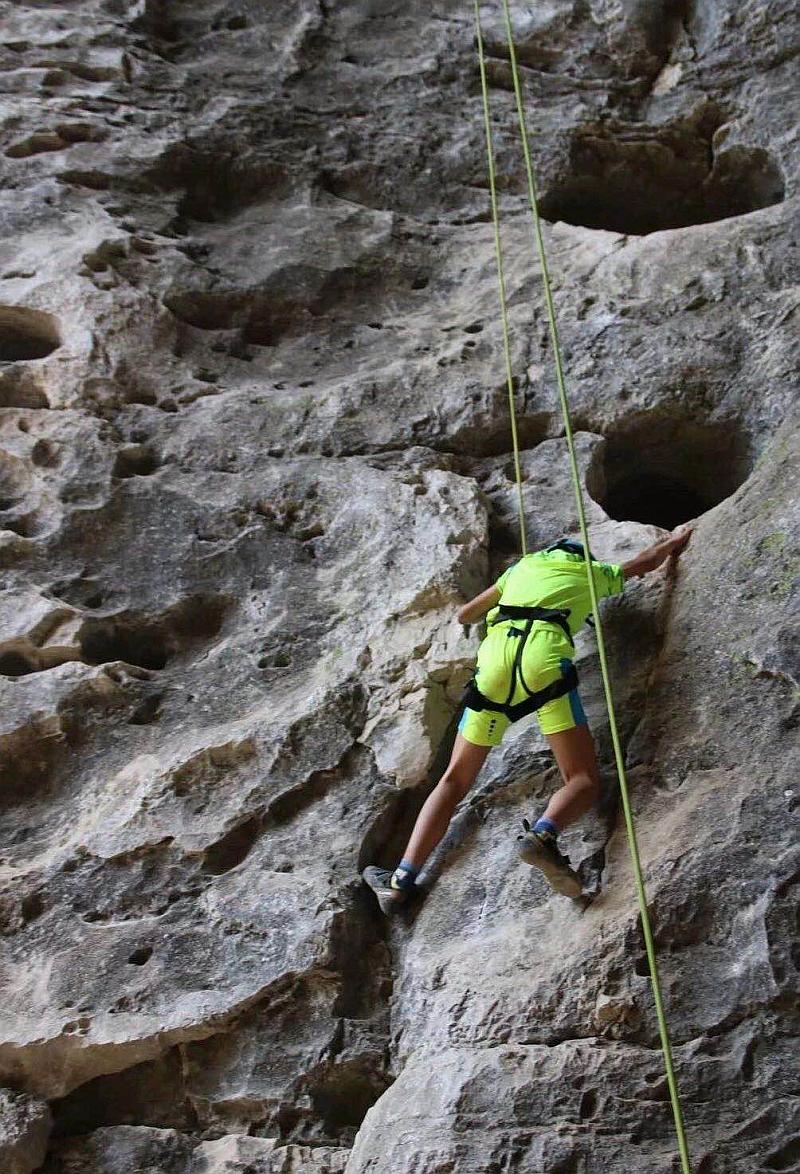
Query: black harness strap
[548,615]
[474,699]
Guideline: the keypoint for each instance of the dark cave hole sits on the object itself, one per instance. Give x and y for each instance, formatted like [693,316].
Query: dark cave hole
[217,187]
[26,527]
[234,847]
[147,711]
[588,1105]
[345,1094]
[26,334]
[654,499]
[786,1157]
[275,660]
[38,143]
[258,322]
[82,591]
[32,906]
[17,390]
[142,644]
[663,471]
[138,460]
[197,618]
[147,1094]
[45,454]
[637,179]
[141,956]
[15,664]
[29,767]
[152,643]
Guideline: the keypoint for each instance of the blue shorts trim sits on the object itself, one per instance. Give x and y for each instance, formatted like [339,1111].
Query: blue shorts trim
[575,703]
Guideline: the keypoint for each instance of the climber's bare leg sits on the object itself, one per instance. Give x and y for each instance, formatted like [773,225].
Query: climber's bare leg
[465,763]
[577,760]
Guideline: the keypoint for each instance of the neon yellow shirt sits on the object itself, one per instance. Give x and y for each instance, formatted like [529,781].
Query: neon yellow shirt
[557,579]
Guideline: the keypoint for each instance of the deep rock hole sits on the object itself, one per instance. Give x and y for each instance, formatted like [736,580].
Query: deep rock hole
[786,1157]
[141,956]
[343,1097]
[147,711]
[636,179]
[663,472]
[150,643]
[137,642]
[232,848]
[14,663]
[26,334]
[30,758]
[138,460]
[216,185]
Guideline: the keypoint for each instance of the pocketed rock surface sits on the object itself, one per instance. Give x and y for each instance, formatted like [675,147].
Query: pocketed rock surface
[255,451]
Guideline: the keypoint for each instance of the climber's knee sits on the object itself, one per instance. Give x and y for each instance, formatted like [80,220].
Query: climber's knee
[455,783]
[462,770]
[587,784]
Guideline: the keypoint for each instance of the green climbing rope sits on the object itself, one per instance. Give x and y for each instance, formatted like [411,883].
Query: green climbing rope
[579,504]
[501,281]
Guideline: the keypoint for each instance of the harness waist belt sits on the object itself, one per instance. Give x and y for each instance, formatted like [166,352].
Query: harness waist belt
[474,699]
[548,615]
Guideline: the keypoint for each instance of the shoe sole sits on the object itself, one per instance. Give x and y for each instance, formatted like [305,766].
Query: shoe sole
[390,900]
[564,881]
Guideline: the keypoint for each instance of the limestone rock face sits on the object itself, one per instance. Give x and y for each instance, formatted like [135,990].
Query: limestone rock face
[24,1130]
[254,451]
[141,1150]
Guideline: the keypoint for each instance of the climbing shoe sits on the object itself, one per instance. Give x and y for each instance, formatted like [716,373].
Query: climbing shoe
[379,880]
[540,850]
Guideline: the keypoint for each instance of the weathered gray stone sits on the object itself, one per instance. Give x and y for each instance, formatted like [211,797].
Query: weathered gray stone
[253,452]
[139,1150]
[24,1131]
[234,1155]
[131,1148]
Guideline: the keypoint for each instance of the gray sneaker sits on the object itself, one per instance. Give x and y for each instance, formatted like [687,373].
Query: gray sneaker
[540,851]
[379,880]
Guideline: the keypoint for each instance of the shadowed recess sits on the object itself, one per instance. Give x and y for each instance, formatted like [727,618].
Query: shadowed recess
[26,334]
[151,642]
[664,471]
[636,179]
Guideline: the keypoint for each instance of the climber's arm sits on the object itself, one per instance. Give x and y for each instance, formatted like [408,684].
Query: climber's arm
[473,611]
[647,560]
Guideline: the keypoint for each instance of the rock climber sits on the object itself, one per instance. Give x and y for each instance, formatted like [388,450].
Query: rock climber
[525,665]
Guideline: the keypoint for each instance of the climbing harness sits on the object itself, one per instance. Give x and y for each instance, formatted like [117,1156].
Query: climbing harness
[474,699]
[666,1047]
[545,615]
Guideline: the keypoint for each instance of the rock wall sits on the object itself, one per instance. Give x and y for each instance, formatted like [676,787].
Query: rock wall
[255,451]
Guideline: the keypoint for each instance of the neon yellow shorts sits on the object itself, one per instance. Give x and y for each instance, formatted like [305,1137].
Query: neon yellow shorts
[545,659]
